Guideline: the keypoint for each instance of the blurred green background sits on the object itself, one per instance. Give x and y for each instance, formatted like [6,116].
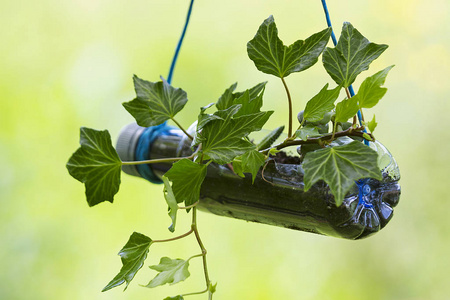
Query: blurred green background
[66,64]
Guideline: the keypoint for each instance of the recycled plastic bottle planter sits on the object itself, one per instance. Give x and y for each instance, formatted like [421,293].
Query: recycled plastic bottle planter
[275,198]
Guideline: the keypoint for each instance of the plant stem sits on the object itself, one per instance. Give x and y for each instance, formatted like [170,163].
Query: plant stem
[190,206]
[290,107]
[202,247]
[319,140]
[174,238]
[182,129]
[161,160]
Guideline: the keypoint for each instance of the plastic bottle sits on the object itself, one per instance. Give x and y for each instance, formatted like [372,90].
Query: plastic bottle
[278,198]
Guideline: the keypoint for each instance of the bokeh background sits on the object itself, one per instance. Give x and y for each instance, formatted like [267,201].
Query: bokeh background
[66,64]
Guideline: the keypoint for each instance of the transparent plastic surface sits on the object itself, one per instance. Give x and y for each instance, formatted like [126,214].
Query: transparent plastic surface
[278,198]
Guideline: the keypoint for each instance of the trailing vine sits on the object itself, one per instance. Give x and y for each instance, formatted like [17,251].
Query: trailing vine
[337,157]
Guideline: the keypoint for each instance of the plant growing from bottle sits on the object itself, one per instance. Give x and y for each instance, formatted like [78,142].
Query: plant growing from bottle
[222,137]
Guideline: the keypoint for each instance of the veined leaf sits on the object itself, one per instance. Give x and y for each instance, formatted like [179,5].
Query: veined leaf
[340,167]
[252,161]
[171,271]
[171,202]
[320,104]
[346,109]
[222,140]
[307,131]
[226,100]
[133,255]
[352,55]
[248,105]
[97,165]
[254,91]
[156,102]
[370,91]
[187,178]
[271,56]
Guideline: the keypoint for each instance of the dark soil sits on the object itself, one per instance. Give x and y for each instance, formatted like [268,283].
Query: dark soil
[282,158]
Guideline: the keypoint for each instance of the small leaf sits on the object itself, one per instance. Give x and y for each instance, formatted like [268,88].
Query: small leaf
[212,288]
[97,165]
[271,56]
[340,167]
[179,297]
[237,166]
[352,55]
[187,178]
[370,91]
[252,161]
[156,102]
[171,271]
[222,140]
[269,139]
[367,137]
[372,124]
[320,104]
[346,109]
[133,255]
[307,131]
[171,202]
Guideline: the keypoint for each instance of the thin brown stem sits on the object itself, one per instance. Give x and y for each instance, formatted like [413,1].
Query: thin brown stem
[189,206]
[182,129]
[290,107]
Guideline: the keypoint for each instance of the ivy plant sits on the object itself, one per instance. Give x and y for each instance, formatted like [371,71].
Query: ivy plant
[221,137]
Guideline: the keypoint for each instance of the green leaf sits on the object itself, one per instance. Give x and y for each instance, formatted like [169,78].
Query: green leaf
[156,102]
[222,140]
[269,139]
[254,91]
[367,137]
[372,124]
[370,91]
[248,105]
[271,56]
[212,288]
[179,297]
[307,131]
[226,100]
[171,271]
[320,104]
[252,161]
[340,167]
[346,109]
[352,55]
[133,255]
[187,178]
[237,166]
[97,165]
[171,202]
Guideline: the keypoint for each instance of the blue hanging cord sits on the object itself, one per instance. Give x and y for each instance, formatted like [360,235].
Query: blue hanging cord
[180,42]
[333,37]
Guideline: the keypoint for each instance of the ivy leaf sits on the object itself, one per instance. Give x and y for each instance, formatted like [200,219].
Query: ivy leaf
[307,131]
[269,139]
[254,91]
[372,124]
[187,178]
[97,165]
[248,105]
[271,56]
[320,104]
[133,255]
[370,91]
[226,100]
[171,202]
[156,102]
[171,271]
[222,140]
[346,109]
[352,55]
[340,167]
[179,297]
[252,161]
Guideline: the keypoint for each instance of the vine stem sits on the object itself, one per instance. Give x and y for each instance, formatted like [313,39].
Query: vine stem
[203,249]
[162,160]
[182,129]
[174,238]
[290,106]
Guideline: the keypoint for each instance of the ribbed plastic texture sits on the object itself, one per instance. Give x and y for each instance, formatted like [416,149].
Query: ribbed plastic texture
[126,146]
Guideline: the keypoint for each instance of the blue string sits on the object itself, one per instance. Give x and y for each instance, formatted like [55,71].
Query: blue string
[143,149]
[180,42]
[333,37]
